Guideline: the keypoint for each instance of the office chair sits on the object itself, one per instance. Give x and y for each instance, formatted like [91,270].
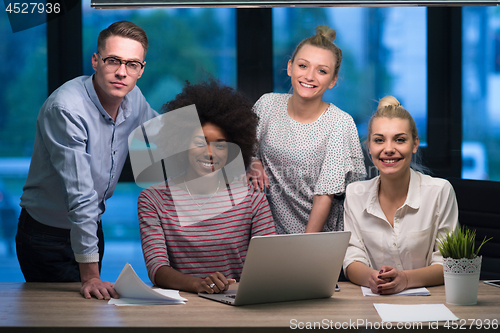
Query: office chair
[479,209]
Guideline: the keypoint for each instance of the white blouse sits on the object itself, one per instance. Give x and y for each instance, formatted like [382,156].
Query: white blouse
[430,210]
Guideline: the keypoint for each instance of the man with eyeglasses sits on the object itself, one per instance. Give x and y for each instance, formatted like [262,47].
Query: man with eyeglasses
[80,147]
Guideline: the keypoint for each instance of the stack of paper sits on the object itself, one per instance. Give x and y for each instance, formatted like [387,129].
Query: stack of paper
[408,292]
[133,291]
[414,313]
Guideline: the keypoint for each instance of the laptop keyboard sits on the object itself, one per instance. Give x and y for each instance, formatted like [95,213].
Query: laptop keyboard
[231,296]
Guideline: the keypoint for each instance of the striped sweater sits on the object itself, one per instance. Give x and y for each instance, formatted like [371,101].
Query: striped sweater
[174,232]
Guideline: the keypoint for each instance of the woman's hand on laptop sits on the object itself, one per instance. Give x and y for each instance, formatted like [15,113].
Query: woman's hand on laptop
[215,283]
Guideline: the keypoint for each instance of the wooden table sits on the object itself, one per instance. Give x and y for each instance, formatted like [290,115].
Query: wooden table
[55,307]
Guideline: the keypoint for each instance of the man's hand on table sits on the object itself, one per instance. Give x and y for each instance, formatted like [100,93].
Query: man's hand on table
[92,284]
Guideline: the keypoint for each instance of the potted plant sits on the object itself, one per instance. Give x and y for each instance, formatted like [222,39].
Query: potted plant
[461,265]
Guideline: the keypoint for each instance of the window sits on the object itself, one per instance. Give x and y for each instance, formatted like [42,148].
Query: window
[384,53]
[480,93]
[184,44]
[23,90]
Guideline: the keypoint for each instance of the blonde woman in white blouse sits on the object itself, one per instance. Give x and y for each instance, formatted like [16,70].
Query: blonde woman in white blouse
[396,217]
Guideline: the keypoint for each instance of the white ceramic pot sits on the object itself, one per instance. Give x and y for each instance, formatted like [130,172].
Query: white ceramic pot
[461,280]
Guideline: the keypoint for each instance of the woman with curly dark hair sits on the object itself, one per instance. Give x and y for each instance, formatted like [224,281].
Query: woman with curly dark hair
[197,224]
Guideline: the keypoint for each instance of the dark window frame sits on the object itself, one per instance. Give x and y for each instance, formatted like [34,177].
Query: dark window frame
[255,72]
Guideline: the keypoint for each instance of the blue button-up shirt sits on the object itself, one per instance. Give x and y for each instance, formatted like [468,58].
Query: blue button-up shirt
[78,156]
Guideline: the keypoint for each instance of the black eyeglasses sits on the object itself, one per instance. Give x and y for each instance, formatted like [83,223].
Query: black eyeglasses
[112,63]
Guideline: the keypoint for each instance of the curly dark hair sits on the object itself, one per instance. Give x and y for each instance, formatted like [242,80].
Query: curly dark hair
[225,107]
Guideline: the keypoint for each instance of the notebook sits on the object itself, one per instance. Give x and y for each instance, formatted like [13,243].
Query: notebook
[288,267]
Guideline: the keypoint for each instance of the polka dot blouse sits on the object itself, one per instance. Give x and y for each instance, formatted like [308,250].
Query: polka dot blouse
[304,160]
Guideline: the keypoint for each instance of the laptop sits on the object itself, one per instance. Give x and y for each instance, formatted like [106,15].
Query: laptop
[288,267]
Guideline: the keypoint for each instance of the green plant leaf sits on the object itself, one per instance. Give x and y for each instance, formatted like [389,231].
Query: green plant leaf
[460,243]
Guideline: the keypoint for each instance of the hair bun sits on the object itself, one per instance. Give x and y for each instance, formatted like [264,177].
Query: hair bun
[325,31]
[388,101]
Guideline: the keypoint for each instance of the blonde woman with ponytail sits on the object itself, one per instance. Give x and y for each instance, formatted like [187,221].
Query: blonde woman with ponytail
[308,149]
[396,217]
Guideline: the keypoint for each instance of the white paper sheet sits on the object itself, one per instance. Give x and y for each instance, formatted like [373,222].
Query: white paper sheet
[408,292]
[413,313]
[133,291]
